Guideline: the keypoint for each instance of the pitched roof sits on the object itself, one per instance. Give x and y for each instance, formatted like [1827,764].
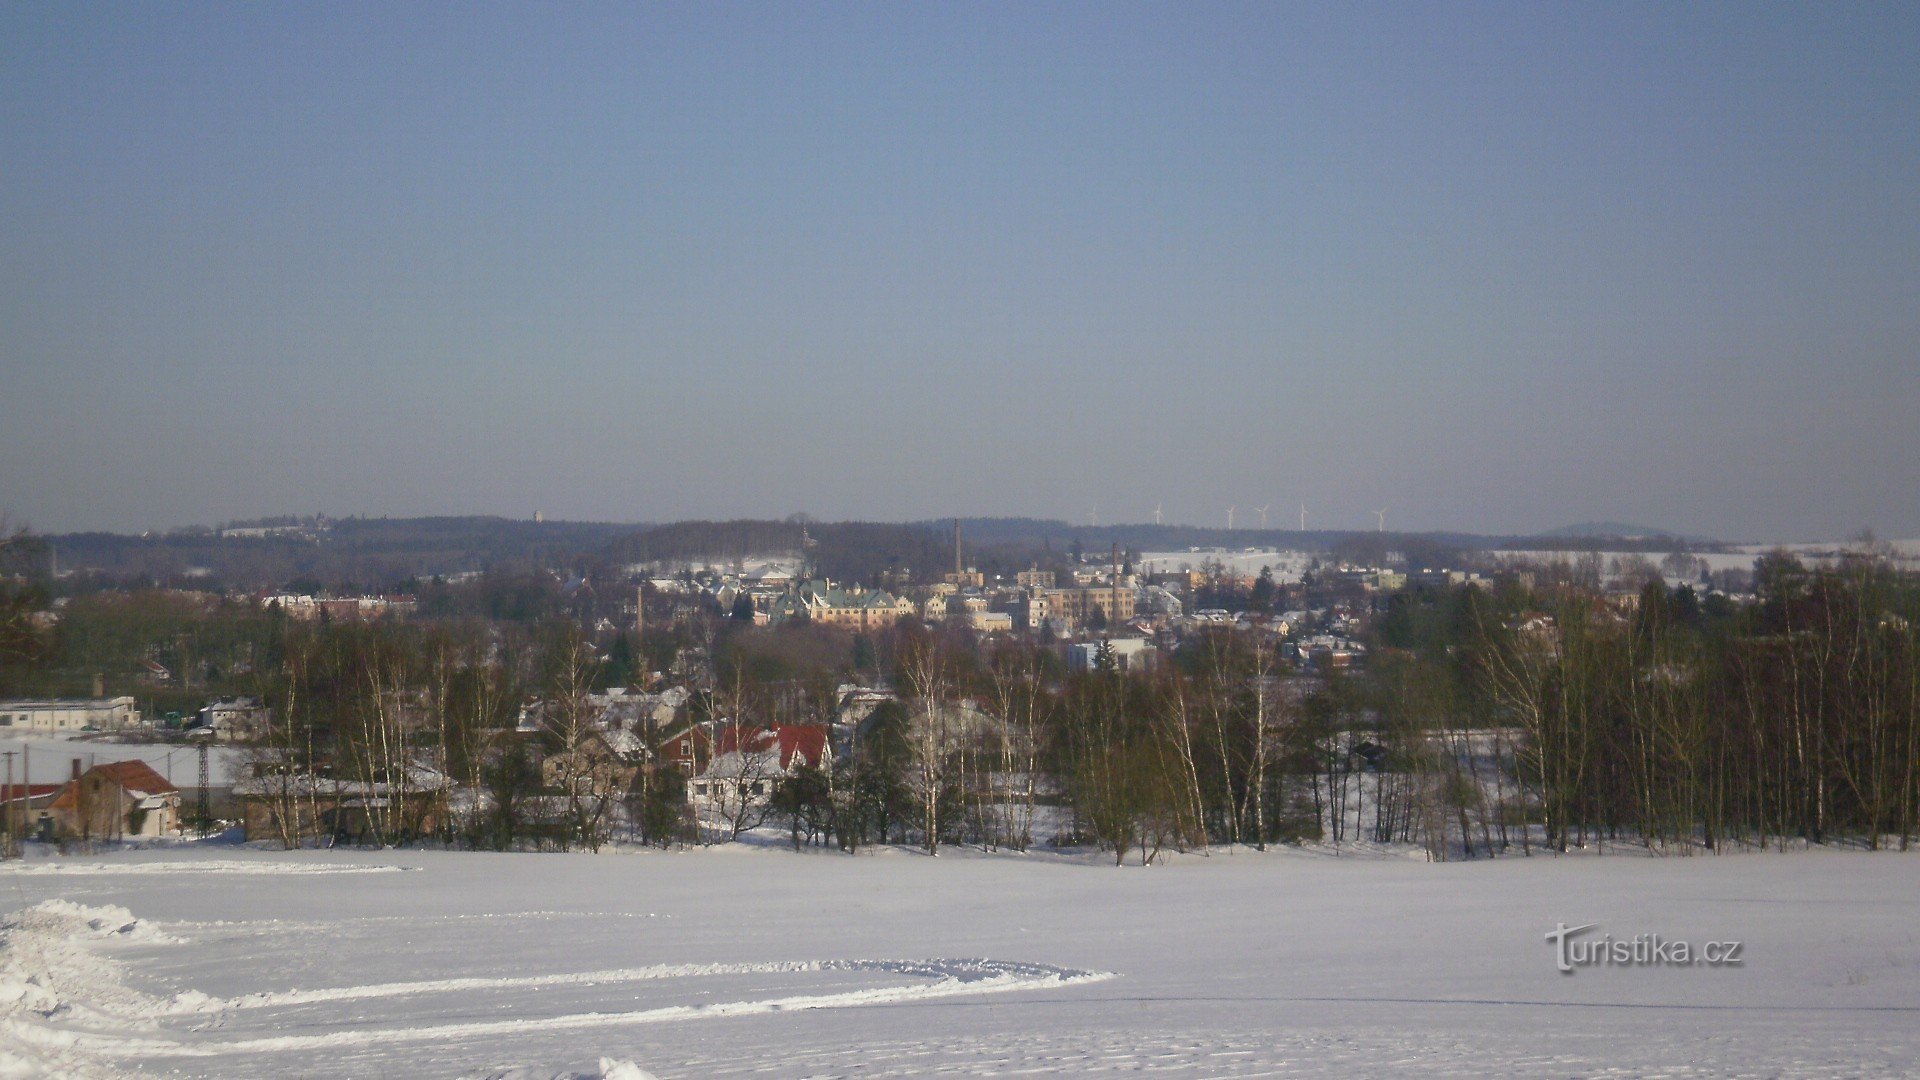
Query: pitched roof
[136,777]
[16,792]
[808,742]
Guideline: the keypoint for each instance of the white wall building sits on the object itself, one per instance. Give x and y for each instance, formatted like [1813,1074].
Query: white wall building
[69,714]
[1129,654]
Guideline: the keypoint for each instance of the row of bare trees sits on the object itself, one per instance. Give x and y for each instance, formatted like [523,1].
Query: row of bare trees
[1795,717]
[387,733]
[1505,721]
[1487,721]
[995,745]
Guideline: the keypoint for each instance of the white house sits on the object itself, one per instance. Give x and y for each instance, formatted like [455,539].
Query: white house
[235,718]
[749,762]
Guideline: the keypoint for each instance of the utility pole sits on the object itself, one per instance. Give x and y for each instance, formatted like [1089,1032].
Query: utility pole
[205,806]
[12,833]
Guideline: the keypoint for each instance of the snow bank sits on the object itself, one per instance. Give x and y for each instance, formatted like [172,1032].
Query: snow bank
[620,1070]
[608,1069]
[63,867]
[59,996]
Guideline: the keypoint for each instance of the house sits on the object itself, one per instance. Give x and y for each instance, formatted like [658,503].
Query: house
[591,767]
[22,806]
[287,804]
[234,719]
[631,722]
[687,748]
[30,797]
[748,762]
[858,702]
[120,800]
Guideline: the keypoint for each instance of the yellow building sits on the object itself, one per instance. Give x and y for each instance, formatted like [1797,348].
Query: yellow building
[1076,606]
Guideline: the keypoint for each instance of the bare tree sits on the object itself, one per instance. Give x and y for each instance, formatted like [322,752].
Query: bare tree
[924,671]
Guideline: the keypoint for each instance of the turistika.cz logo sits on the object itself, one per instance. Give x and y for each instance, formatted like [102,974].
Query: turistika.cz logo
[1641,950]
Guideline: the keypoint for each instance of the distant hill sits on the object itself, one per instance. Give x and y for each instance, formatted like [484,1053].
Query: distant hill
[1611,536]
[1150,537]
[352,554]
[346,554]
[1593,529]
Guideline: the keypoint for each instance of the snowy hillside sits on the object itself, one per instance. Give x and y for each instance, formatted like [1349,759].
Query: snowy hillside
[236,963]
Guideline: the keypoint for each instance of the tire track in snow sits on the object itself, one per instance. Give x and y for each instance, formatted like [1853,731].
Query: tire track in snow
[279,998]
[70,1010]
[229,928]
[951,978]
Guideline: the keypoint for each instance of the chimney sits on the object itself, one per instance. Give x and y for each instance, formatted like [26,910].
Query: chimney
[76,768]
[99,685]
[957,567]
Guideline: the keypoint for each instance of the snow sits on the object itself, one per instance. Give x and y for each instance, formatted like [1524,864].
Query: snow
[52,758]
[217,961]
[1741,557]
[1287,566]
[1716,561]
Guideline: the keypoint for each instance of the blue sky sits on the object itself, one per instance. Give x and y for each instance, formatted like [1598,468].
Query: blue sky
[1492,267]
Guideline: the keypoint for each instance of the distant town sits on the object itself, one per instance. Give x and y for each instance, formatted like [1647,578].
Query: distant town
[997,683]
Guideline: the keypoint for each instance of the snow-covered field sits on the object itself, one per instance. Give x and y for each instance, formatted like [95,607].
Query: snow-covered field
[209,960]
[51,757]
[1287,566]
[1740,558]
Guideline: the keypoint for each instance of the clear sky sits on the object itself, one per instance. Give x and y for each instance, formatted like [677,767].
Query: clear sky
[1490,267]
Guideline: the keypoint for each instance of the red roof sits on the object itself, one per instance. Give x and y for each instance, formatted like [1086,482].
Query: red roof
[808,742]
[136,777]
[9,793]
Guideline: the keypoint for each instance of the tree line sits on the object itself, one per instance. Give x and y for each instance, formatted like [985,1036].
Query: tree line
[1488,720]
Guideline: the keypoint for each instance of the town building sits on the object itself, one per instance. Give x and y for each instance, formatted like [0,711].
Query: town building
[1076,606]
[857,608]
[1128,654]
[70,714]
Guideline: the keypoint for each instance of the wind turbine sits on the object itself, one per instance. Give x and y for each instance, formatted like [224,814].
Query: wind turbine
[1230,511]
[1156,513]
[1263,515]
[1382,515]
